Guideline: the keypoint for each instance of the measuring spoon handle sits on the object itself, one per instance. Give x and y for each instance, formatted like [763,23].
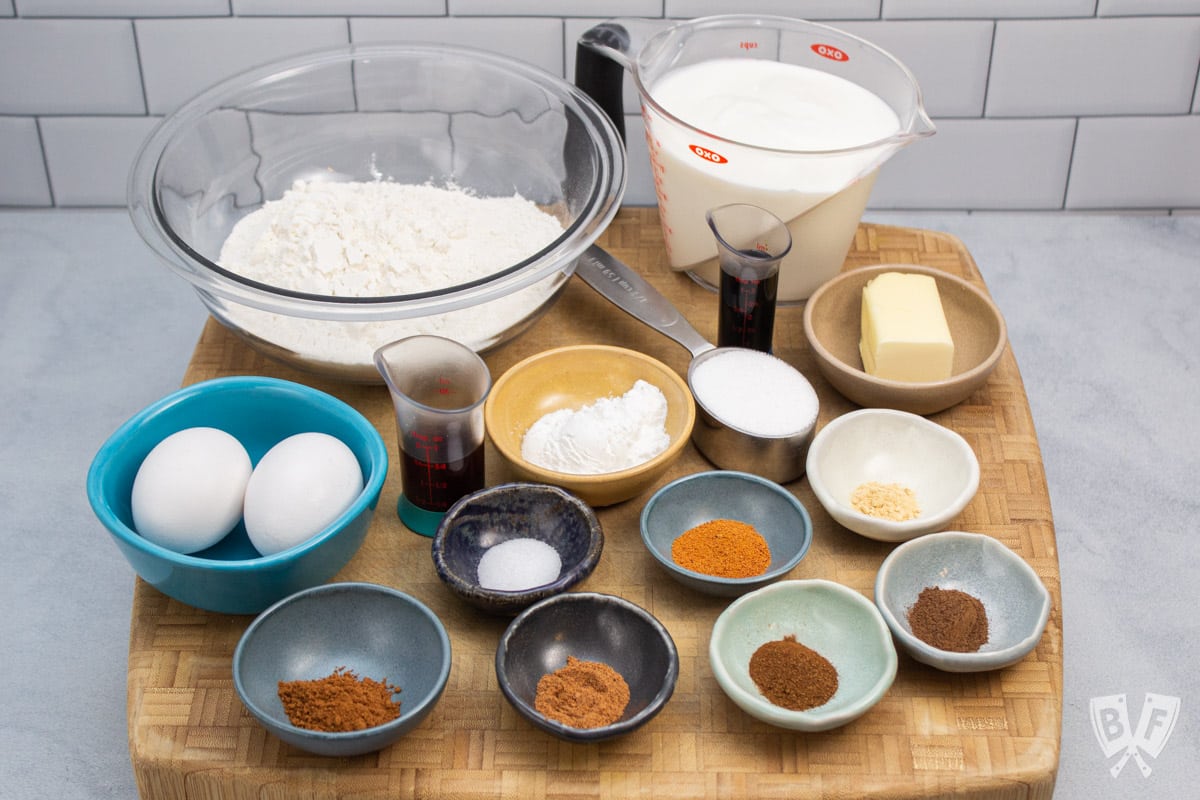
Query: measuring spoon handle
[630,292]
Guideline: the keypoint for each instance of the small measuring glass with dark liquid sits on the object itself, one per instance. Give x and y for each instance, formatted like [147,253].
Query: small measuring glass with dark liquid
[438,389]
[751,242]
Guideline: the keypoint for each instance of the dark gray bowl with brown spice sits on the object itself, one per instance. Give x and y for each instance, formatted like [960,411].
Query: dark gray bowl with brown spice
[1016,602]
[373,631]
[594,627]
[770,509]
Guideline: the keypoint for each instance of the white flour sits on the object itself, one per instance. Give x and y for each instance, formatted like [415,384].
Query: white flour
[372,239]
[611,434]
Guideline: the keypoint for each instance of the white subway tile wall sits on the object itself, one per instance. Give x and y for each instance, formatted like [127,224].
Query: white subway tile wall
[1088,67]
[180,57]
[124,8]
[988,9]
[23,180]
[1040,104]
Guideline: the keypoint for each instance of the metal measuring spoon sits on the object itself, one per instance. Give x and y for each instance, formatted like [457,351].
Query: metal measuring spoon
[777,458]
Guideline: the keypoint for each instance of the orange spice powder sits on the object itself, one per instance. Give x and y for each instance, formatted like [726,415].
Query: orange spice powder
[339,702]
[723,548]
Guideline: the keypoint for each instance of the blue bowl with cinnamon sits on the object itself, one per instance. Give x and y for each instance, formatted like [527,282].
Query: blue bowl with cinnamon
[342,669]
[724,532]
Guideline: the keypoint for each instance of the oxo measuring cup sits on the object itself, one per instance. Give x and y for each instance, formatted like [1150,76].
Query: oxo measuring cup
[777,458]
[788,115]
[438,388]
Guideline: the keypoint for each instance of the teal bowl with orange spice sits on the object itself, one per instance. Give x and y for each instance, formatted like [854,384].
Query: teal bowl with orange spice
[724,532]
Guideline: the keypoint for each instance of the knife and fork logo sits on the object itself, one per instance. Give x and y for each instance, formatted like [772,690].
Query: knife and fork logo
[1116,734]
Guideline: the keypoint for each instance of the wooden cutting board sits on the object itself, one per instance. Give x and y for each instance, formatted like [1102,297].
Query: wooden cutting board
[988,735]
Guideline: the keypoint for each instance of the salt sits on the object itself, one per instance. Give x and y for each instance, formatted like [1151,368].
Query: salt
[755,392]
[518,564]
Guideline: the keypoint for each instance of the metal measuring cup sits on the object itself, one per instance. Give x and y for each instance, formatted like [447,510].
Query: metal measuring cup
[777,458]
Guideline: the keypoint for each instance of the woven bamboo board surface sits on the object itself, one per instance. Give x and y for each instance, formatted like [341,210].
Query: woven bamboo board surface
[987,735]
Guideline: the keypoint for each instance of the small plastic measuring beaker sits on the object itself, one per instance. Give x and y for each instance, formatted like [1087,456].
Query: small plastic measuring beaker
[751,242]
[438,388]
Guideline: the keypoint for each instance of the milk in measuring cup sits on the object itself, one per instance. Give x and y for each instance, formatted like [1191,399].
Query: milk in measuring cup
[769,107]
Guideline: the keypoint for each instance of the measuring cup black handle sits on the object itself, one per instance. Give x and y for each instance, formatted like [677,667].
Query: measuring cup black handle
[597,72]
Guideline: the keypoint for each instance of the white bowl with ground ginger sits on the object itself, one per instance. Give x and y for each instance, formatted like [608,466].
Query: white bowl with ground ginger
[891,475]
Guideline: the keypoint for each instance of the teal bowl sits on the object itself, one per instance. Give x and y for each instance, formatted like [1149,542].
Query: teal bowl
[374,631]
[693,499]
[231,577]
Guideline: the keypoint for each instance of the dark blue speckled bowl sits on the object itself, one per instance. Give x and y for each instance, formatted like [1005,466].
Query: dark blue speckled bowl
[512,511]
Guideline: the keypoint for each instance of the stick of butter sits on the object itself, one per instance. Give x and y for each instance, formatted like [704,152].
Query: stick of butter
[904,332]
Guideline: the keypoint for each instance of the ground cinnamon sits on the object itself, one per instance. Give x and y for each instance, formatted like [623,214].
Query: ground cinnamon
[582,694]
[949,619]
[723,548]
[339,702]
[793,676]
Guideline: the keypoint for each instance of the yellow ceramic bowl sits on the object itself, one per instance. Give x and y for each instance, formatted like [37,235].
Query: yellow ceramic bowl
[833,326]
[572,377]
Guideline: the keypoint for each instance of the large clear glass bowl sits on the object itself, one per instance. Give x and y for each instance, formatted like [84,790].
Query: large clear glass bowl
[412,114]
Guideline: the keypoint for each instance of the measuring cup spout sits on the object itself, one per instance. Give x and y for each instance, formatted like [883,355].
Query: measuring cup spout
[921,125]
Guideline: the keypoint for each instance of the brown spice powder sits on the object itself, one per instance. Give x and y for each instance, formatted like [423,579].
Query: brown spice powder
[793,676]
[949,619]
[340,702]
[723,548]
[583,694]
[890,501]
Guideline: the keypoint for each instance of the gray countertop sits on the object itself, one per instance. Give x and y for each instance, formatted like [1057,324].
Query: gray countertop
[1102,315]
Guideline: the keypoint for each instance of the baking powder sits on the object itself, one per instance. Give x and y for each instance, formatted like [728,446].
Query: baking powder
[611,434]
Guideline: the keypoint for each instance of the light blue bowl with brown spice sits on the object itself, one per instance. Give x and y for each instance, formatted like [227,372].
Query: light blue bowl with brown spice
[836,621]
[1015,601]
[774,512]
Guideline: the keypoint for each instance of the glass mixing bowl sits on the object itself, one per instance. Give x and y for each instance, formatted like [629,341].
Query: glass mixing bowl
[444,116]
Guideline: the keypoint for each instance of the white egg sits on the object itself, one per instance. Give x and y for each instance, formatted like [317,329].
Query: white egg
[188,491]
[300,486]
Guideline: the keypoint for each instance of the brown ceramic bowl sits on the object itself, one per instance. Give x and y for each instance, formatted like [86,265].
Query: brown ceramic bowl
[833,326]
[572,377]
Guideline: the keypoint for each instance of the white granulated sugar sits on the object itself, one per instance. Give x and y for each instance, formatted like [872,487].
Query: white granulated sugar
[755,392]
[379,238]
[518,564]
[611,434]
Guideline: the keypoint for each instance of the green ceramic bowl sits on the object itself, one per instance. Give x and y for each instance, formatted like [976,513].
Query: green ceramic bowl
[832,619]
